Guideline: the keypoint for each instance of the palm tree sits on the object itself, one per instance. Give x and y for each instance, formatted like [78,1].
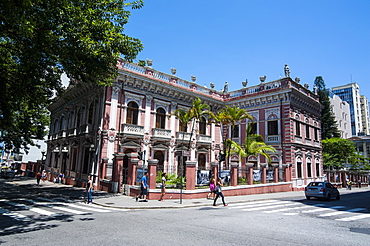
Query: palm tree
[253,145]
[184,118]
[230,116]
[197,110]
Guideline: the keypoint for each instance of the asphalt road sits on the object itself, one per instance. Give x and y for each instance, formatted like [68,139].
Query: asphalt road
[271,222]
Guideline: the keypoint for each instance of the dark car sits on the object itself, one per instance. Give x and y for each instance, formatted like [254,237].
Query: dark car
[321,190]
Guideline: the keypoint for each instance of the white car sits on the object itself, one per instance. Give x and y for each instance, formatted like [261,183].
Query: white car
[321,190]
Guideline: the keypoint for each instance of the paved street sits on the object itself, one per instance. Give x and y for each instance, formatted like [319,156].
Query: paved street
[29,214]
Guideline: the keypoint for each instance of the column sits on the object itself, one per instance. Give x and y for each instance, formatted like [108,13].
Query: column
[286,172]
[103,168]
[234,173]
[250,173]
[263,174]
[152,170]
[117,172]
[276,172]
[214,168]
[132,169]
[190,175]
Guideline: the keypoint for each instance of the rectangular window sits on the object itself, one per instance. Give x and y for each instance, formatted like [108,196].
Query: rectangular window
[299,169]
[254,128]
[272,127]
[317,169]
[85,168]
[297,128]
[309,170]
[235,133]
[307,131]
[316,136]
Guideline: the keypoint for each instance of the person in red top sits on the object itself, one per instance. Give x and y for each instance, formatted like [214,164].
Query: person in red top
[38,178]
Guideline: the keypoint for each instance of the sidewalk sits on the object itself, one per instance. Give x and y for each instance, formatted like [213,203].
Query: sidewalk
[49,189]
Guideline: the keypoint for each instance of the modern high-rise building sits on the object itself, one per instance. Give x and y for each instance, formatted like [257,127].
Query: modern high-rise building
[342,115]
[351,94]
[365,114]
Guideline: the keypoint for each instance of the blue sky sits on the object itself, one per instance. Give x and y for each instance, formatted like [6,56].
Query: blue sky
[219,41]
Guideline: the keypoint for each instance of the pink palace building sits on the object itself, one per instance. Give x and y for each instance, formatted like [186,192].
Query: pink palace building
[115,132]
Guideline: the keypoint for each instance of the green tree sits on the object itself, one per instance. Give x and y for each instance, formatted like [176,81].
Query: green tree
[230,116]
[197,110]
[329,128]
[40,40]
[340,153]
[254,145]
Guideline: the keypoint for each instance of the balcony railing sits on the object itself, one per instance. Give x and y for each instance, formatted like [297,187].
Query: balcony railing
[161,133]
[273,139]
[133,129]
[204,138]
[183,136]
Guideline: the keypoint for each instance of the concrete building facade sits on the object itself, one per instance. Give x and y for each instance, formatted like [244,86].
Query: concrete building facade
[351,94]
[342,113]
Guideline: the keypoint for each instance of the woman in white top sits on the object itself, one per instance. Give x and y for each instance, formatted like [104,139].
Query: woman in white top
[163,186]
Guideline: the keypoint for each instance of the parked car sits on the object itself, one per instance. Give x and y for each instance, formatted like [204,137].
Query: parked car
[7,173]
[321,190]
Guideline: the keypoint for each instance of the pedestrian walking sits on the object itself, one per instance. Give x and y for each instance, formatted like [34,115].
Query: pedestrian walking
[349,185]
[38,178]
[89,189]
[218,191]
[61,176]
[43,176]
[212,186]
[163,186]
[144,188]
[359,183]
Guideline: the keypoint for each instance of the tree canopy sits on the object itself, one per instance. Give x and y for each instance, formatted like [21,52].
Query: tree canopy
[329,126]
[341,153]
[40,40]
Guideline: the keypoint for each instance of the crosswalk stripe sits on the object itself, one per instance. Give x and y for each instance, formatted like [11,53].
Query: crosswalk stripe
[322,209]
[298,207]
[88,208]
[268,207]
[41,211]
[16,216]
[342,212]
[51,205]
[357,217]
[260,204]
[249,203]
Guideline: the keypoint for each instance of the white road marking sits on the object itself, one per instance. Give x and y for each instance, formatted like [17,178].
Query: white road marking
[322,209]
[357,217]
[342,212]
[13,215]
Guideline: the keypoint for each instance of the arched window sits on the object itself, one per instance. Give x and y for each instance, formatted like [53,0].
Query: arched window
[160,119]
[202,126]
[132,113]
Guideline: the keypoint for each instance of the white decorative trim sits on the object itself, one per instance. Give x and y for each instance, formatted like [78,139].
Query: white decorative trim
[272,111]
[161,104]
[255,115]
[133,97]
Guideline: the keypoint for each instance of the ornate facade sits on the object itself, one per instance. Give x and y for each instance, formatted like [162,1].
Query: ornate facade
[91,126]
